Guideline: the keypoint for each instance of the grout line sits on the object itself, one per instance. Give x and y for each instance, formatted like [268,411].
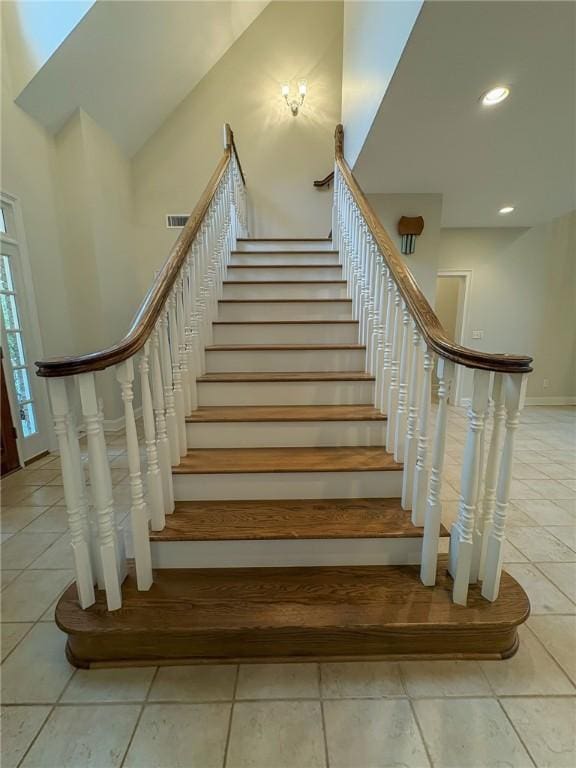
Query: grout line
[229,729]
[323,716]
[509,719]
[421,732]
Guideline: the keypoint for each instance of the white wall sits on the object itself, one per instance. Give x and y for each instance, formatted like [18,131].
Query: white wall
[281,155]
[375,34]
[423,263]
[523,296]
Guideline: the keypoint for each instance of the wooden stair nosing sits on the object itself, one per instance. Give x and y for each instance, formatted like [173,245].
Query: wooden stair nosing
[286,519]
[247,376]
[219,461]
[302,613]
[299,413]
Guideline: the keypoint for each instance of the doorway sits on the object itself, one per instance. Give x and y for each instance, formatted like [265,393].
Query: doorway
[9,459]
[451,307]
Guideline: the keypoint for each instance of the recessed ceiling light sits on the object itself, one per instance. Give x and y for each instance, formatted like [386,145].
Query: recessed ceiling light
[506,209]
[495,95]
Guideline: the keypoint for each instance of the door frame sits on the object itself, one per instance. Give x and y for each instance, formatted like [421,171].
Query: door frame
[462,323]
[36,445]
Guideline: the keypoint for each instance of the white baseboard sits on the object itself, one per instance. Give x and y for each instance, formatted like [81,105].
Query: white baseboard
[551,400]
[113,425]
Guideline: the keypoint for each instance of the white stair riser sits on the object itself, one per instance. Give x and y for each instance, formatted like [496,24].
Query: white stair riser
[286,259]
[254,274]
[284,245]
[285,291]
[289,310]
[287,333]
[281,553]
[288,485]
[286,393]
[299,360]
[285,434]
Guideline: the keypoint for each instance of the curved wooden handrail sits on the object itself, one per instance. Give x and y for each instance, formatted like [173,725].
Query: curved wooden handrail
[230,142]
[423,314]
[326,181]
[154,301]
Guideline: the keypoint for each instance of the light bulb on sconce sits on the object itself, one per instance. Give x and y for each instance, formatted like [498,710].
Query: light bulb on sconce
[295,104]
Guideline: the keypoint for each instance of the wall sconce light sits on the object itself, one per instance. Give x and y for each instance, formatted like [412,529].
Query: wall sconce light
[295,104]
[409,227]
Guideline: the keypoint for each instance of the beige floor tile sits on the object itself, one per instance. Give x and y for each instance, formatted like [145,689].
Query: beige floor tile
[13,519]
[513,555]
[105,685]
[515,516]
[276,734]
[362,679]
[28,596]
[19,728]
[558,635]
[180,736]
[373,734]
[194,683]
[84,737]
[5,536]
[54,520]
[6,577]
[545,512]
[519,489]
[23,548]
[469,733]
[278,681]
[36,671]
[11,635]
[544,596]
[13,496]
[565,533]
[46,496]
[38,476]
[444,678]
[563,575]
[550,489]
[527,472]
[558,471]
[532,671]
[539,545]
[546,727]
[59,555]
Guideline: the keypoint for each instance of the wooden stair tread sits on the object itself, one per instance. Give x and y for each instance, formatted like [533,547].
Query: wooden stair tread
[279,347]
[284,282]
[285,266]
[330,612]
[283,322]
[265,460]
[288,519]
[241,413]
[232,376]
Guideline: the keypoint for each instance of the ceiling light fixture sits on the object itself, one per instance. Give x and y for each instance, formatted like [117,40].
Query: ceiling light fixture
[495,95]
[506,209]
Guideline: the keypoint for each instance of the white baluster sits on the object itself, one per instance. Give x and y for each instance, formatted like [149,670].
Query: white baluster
[174,345]
[101,483]
[387,343]
[189,337]
[398,328]
[153,474]
[514,392]
[182,356]
[169,401]
[486,508]
[161,427]
[461,544]
[74,503]
[412,420]
[403,374]
[420,484]
[138,509]
[433,515]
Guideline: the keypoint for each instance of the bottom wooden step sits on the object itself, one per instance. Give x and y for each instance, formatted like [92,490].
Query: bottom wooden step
[251,614]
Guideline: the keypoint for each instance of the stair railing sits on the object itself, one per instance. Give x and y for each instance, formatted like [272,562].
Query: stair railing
[164,348]
[405,340]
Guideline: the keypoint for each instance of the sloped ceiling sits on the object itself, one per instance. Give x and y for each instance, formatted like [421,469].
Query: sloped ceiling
[431,133]
[129,64]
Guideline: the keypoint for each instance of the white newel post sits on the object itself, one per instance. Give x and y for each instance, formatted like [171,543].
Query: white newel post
[486,508]
[138,508]
[420,485]
[433,513]
[74,503]
[101,484]
[161,427]
[514,392]
[153,474]
[411,443]
[461,541]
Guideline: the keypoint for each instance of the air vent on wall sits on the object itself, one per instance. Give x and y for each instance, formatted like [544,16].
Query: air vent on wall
[176,221]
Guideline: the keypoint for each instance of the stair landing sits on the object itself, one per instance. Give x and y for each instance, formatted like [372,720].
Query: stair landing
[291,614]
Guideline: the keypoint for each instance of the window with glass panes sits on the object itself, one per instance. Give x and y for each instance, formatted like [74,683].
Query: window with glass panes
[12,333]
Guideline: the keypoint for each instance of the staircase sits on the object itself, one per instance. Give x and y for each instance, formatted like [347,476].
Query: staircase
[285,517]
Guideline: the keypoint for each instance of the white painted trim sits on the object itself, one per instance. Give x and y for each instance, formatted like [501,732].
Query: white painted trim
[113,425]
[467,275]
[560,400]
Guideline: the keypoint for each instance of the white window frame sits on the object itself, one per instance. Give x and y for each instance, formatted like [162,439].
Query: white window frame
[38,443]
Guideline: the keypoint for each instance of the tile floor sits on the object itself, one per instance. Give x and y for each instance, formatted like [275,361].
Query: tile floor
[520,712]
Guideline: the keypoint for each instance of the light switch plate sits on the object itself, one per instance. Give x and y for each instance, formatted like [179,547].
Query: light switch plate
[477,334]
